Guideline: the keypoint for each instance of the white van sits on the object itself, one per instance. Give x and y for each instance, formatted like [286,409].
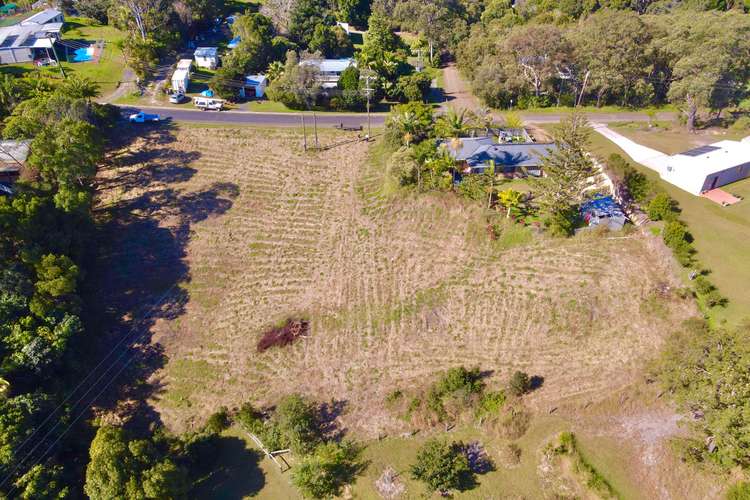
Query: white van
[209,103]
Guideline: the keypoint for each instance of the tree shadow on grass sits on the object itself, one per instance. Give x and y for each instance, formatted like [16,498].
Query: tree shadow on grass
[236,473]
[143,233]
[328,415]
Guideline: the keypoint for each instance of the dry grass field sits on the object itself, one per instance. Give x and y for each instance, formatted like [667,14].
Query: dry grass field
[396,288]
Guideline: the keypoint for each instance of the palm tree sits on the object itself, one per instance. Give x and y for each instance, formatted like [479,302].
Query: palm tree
[513,120]
[510,199]
[407,124]
[453,123]
[80,87]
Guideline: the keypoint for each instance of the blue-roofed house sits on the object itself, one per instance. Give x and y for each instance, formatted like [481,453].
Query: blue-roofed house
[476,153]
[254,86]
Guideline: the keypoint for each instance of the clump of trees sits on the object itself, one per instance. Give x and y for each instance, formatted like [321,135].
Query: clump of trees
[45,233]
[325,466]
[128,463]
[705,368]
[615,55]
[155,27]
[460,395]
[443,467]
[568,173]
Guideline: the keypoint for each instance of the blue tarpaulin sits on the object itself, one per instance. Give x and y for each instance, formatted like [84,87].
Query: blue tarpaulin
[207,93]
[234,42]
[603,210]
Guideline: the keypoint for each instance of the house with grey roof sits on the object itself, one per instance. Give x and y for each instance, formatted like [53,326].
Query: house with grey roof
[476,153]
[32,38]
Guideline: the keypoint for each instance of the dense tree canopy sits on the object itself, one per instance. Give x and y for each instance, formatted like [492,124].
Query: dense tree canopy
[539,53]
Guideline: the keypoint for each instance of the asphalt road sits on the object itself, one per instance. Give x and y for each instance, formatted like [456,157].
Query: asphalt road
[253,118]
[348,120]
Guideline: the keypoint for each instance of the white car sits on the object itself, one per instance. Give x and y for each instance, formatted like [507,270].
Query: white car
[177,98]
[208,103]
[142,117]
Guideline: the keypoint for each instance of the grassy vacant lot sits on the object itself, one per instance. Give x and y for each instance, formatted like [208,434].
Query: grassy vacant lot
[247,230]
[721,233]
[108,71]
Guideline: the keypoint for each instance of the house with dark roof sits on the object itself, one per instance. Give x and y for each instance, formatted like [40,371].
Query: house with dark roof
[476,153]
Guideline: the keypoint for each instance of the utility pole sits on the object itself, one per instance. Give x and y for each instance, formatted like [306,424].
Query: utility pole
[59,65]
[315,128]
[368,93]
[304,131]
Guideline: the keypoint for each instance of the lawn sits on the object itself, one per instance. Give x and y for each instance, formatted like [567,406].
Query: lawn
[107,72]
[244,472]
[721,233]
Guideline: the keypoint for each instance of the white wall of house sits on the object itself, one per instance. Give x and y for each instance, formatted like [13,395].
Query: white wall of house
[181,80]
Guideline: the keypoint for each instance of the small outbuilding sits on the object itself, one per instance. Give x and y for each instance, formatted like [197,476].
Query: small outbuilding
[206,57]
[603,211]
[13,156]
[180,80]
[708,167]
[255,86]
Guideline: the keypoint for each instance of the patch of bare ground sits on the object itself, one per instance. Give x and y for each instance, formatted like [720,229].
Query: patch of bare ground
[394,289]
[640,424]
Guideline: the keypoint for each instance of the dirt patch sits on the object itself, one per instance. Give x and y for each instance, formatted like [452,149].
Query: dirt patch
[280,336]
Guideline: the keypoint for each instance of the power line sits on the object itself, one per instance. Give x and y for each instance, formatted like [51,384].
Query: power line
[119,344]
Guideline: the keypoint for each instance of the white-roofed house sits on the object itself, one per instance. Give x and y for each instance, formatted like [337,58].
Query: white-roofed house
[330,69]
[185,64]
[708,167]
[31,38]
[206,57]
